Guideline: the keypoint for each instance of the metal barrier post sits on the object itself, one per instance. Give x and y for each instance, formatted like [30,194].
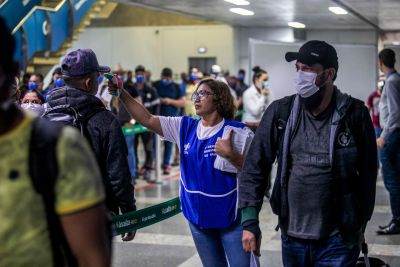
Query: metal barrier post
[158,159]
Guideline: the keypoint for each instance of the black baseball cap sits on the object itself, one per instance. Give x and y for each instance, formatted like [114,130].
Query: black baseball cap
[81,62]
[314,52]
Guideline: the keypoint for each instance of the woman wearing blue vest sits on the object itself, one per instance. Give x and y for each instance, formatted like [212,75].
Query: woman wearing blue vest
[208,195]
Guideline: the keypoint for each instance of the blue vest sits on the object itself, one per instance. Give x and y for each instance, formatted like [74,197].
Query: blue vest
[208,196]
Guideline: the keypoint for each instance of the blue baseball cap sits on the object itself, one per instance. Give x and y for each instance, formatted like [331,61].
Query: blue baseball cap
[81,62]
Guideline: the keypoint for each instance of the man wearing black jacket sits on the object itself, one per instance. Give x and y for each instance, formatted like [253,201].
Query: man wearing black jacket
[80,71]
[324,192]
[151,101]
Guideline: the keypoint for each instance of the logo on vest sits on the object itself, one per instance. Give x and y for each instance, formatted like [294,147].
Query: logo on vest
[344,138]
[186,147]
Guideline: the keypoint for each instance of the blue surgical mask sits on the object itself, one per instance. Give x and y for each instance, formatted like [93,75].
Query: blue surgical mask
[32,86]
[100,79]
[139,79]
[164,82]
[59,82]
[240,77]
[265,85]
[193,76]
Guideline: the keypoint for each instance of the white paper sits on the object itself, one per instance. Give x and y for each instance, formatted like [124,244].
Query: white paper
[240,144]
[254,260]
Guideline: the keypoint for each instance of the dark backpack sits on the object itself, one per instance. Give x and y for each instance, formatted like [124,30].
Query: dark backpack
[43,170]
[68,115]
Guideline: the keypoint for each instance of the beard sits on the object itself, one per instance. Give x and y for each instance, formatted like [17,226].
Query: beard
[312,102]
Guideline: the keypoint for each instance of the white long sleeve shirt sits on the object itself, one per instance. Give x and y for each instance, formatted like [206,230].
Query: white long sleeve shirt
[254,105]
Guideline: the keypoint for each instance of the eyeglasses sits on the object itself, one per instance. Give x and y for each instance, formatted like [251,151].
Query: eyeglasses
[200,95]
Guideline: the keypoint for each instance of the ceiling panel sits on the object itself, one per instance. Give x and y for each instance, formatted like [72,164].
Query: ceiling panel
[277,13]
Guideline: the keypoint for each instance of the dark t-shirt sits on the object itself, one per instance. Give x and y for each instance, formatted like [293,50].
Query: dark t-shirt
[172,90]
[310,183]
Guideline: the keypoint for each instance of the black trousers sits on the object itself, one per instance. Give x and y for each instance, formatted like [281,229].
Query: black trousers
[147,139]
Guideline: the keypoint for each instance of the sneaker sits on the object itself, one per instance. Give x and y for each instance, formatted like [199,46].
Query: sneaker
[141,171]
[167,170]
[147,175]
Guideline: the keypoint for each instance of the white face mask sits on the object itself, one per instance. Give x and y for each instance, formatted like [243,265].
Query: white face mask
[305,83]
[37,108]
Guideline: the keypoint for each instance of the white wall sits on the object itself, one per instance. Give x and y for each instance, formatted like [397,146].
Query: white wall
[170,47]
[244,34]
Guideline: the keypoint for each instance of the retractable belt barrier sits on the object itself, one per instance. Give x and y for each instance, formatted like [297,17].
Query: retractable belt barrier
[135,129]
[134,220]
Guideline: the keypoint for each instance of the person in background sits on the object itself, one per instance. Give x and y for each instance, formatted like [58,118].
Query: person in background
[208,195]
[240,87]
[126,121]
[151,102]
[24,86]
[56,82]
[194,78]
[79,194]
[129,78]
[373,107]
[256,99]
[32,100]
[147,78]
[171,100]
[36,82]
[103,94]
[389,141]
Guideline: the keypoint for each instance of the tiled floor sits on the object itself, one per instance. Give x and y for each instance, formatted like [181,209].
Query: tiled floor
[169,243]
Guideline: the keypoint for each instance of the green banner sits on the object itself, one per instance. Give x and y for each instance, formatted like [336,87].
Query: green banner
[135,129]
[134,220]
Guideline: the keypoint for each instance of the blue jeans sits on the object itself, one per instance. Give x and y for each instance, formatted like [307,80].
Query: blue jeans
[167,153]
[130,142]
[378,132]
[329,252]
[390,159]
[217,247]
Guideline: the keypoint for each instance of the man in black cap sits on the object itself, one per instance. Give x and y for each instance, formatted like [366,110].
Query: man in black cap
[80,71]
[324,192]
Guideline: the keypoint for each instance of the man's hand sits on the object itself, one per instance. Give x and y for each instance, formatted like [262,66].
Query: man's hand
[380,142]
[128,236]
[223,147]
[250,243]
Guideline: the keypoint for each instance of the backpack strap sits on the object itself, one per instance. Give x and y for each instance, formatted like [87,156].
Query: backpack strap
[283,113]
[43,170]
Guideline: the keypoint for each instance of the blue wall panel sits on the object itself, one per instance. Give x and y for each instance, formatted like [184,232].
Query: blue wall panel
[14,11]
[59,27]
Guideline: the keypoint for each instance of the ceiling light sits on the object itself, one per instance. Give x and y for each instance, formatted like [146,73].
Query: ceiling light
[238,2]
[297,25]
[242,11]
[338,10]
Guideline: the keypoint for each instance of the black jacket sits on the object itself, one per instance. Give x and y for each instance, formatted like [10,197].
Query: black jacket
[150,98]
[353,159]
[108,143]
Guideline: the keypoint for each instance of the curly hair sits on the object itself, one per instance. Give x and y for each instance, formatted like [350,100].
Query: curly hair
[222,97]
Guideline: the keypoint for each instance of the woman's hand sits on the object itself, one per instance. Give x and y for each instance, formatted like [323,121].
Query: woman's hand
[115,85]
[223,147]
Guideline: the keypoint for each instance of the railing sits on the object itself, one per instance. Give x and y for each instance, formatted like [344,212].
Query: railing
[45,29]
